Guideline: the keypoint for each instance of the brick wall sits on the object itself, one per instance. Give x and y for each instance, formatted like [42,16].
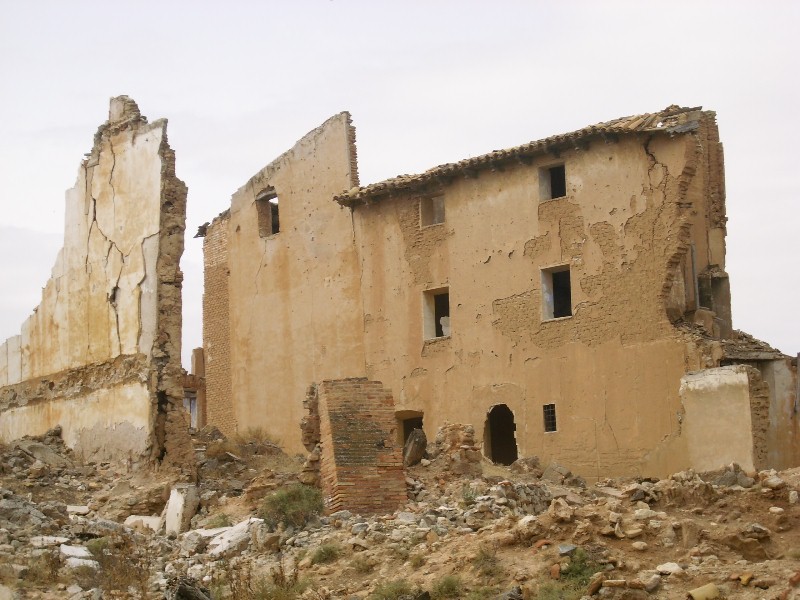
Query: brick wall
[361,463]
[216,328]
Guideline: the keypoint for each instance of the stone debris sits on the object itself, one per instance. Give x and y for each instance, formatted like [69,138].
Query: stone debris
[645,538]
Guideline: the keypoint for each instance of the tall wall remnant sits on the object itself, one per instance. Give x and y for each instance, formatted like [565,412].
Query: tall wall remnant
[280,265]
[100,355]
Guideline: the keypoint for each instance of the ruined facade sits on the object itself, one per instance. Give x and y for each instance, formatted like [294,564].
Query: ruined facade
[567,297]
[100,355]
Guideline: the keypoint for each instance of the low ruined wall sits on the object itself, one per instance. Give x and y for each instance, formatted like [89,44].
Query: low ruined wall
[724,418]
[783,434]
[361,462]
[100,355]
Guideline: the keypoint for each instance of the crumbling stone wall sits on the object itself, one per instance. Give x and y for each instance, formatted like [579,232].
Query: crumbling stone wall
[100,355]
[361,462]
[759,416]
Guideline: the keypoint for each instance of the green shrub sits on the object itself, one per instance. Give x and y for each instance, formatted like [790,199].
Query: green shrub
[219,520]
[580,568]
[482,593]
[416,560]
[468,495]
[574,578]
[293,505]
[362,565]
[449,586]
[486,561]
[325,554]
[560,590]
[43,570]
[391,590]
[239,583]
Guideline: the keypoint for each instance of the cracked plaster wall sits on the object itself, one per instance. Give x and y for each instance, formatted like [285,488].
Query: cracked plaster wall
[293,298]
[111,309]
[632,212]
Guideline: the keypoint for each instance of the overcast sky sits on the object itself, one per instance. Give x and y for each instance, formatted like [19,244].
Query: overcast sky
[427,82]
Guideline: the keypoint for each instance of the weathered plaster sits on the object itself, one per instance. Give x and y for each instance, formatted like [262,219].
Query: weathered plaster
[718,426]
[114,293]
[642,220]
[297,290]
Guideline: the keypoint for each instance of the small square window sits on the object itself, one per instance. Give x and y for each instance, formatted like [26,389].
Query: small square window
[431,210]
[549,413]
[556,293]
[436,317]
[552,182]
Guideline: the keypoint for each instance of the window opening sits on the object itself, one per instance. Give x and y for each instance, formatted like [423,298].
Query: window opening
[437,313]
[549,413]
[556,293]
[552,182]
[275,226]
[267,212]
[500,441]
[431,210]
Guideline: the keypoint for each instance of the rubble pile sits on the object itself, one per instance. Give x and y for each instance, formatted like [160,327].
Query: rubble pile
[470,529]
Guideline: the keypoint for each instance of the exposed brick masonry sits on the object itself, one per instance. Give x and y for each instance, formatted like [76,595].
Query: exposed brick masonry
[362,464]
[216,327]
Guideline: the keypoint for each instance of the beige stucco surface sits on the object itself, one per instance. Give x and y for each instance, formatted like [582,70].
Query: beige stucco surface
[615,229]
[344,294]
[102,425]
[112,302]
[717,424]
[111,213]
[295,303]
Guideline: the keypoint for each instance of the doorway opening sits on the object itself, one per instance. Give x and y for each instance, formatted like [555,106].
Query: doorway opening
[407,421]
[499,439]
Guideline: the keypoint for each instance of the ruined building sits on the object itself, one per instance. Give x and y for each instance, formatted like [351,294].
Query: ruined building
[567,297]
[100,355]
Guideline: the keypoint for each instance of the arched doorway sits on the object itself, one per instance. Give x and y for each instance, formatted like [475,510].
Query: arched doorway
[499,440]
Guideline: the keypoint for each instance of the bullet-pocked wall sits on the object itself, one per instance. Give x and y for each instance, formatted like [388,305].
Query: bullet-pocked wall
[100,355]
[289,275]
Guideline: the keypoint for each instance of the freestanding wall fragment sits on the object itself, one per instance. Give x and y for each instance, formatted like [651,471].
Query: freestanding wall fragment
[361,462]
[100,355]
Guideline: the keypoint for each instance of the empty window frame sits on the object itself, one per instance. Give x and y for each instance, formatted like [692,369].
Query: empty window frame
[549,414]
[436,317]
[431,210]
[552,182]
[556,293]
[267,211]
